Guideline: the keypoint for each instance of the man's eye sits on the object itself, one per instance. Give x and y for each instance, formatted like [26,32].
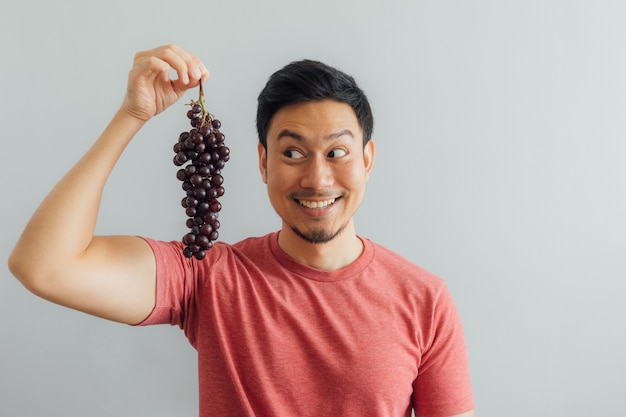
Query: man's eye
[337,153]
[292,153]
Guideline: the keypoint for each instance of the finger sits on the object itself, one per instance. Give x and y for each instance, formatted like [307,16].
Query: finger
[187,66]
[204,72]
[149,66]
[196,70]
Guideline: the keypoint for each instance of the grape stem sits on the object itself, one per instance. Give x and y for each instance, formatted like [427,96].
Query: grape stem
[203,105]
[201,99]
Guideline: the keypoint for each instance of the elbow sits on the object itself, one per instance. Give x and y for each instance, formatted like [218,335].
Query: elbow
[27,271]
[15,265]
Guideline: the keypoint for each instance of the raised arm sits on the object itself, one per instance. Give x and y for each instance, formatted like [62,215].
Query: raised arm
[57,256]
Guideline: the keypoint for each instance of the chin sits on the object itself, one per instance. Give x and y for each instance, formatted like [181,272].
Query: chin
[317,236]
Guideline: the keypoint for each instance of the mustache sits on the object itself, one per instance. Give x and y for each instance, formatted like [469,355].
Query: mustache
[301,195]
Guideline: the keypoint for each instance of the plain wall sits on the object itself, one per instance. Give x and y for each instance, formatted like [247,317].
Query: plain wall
[500,166]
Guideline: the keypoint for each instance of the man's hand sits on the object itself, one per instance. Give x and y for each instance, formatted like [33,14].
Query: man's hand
[151,90]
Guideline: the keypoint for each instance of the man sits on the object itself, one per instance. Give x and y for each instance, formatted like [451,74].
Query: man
[311,320]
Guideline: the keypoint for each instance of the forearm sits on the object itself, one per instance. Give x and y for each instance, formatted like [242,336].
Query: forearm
[62,228]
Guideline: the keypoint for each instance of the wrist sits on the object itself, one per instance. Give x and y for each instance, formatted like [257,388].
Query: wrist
[129,120]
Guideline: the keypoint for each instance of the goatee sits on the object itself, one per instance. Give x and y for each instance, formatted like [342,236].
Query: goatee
[318,236]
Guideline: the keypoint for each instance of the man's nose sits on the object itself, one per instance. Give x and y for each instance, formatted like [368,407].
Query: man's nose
[318,174]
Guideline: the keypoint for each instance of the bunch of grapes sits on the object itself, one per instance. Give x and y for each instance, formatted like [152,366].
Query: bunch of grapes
[201,154]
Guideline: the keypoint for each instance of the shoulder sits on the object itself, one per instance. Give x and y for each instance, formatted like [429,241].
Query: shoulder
[402,267]
[254,244]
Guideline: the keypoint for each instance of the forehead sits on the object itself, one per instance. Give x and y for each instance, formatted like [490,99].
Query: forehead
[313,119]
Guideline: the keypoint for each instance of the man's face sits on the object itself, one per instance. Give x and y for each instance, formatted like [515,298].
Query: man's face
[315,168]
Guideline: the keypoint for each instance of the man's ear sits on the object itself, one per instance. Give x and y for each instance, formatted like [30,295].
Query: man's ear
[262,162]
[368,156]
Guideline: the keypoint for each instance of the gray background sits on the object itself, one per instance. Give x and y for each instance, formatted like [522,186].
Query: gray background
[500,166]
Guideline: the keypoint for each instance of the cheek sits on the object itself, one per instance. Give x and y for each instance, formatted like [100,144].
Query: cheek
[352,176]
[277,178]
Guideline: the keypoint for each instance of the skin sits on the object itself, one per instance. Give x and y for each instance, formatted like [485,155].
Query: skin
[59,258]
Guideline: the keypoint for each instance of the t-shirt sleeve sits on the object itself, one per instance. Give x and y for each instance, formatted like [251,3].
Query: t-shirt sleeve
[443,386]
[175,284]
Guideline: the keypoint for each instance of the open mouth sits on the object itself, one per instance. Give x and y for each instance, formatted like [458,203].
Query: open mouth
[317,204]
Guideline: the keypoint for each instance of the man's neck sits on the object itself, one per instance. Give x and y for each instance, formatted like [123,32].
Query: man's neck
[340,252]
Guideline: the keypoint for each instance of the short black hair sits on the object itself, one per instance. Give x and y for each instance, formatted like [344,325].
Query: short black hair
[308,80]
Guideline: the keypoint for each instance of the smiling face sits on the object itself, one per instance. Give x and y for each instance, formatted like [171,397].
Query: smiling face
[316,168]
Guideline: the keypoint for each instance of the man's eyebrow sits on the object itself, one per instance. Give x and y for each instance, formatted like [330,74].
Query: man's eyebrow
[286,133]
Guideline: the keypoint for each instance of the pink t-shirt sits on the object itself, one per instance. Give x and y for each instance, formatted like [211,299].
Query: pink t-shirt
[278,338]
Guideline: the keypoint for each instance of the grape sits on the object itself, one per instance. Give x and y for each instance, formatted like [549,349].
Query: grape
[201,154]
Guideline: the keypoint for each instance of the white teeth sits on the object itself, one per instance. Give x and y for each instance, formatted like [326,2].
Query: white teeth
[316,204]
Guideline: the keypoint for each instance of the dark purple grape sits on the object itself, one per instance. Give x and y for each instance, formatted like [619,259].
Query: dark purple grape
[213,193]
[216,124]
[217,180]
[206,229]
[180,158]
[190,202]
[205,158]
[195,179]
[215,206]
[206,184]
[202,241]
[202,207]
[189,170]
[181,175]
[199,193]
[189,238]
[188,144]
[223,151]
[197,138]
[206,129]
[210,217]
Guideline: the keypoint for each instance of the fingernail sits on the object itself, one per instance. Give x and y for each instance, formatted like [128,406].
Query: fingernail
[197,73]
